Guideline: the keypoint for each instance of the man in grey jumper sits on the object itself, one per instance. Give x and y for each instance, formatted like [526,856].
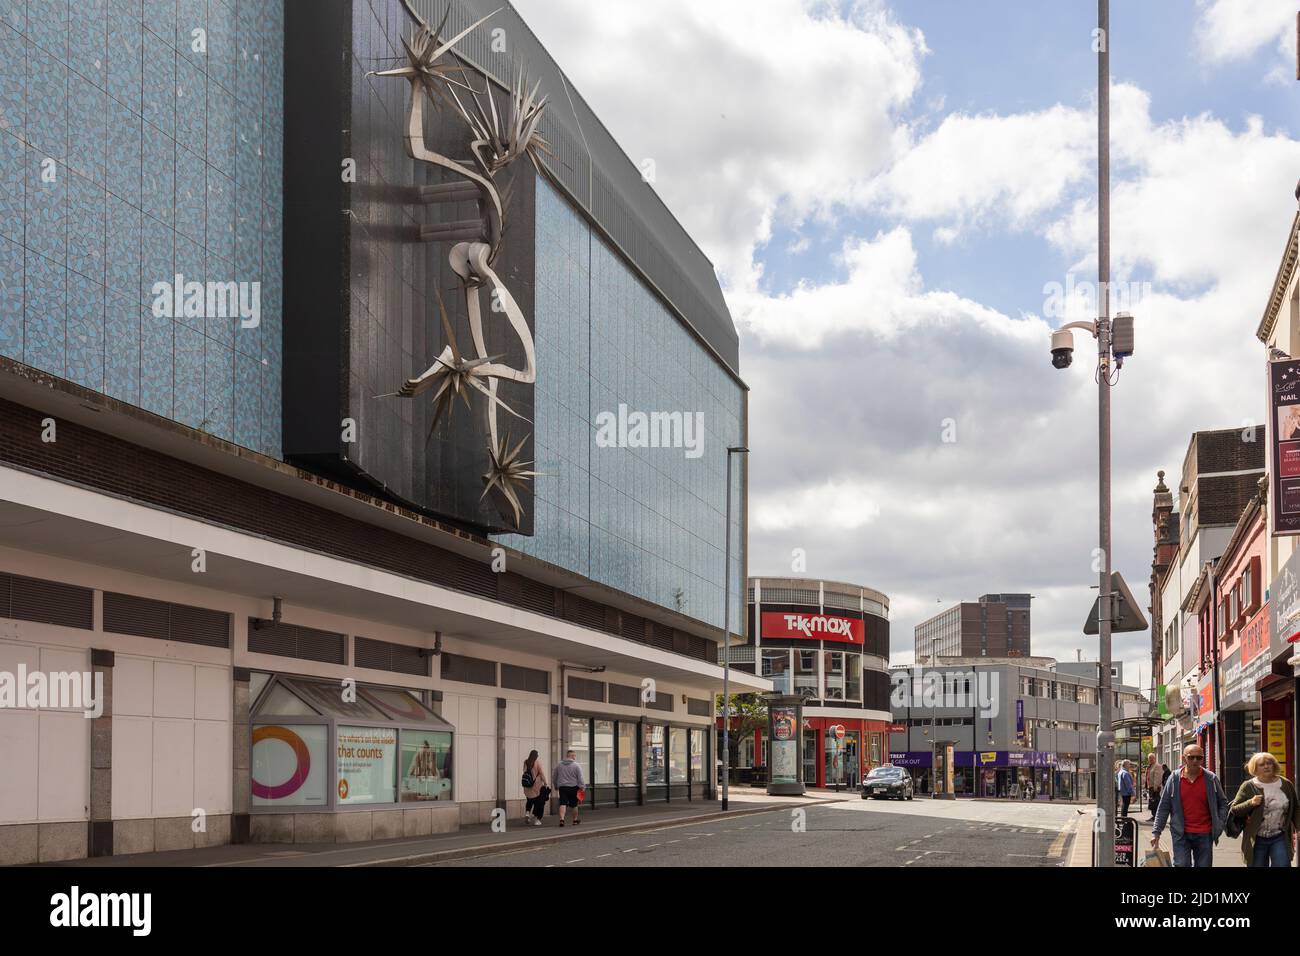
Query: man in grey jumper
[568,780]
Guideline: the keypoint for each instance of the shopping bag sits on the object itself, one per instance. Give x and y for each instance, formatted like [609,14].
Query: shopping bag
[582,794]
[1157,857]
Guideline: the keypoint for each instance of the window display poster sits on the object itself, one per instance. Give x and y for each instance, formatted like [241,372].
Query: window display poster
[290,765]
[367,765]
[785,761]
[426,766]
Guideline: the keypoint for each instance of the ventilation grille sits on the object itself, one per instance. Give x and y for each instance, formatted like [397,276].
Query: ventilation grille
[633,627]
[661,702]
[46,602]
[384,656]
[582,689]
[525,678]
[702,649]
[581,611]
[698,707]
[143,617]
[469,670]
[800,596]
[832,599]
[291,640]
[527,593]
[624,696]
[661,637]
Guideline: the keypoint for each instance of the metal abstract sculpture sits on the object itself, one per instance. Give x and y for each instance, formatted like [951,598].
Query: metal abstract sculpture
[498,138]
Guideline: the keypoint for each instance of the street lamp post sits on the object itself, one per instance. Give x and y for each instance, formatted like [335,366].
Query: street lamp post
[1114,343]
[1105,738]
[726,637]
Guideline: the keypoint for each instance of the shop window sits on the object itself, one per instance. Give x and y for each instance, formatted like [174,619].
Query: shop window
[426,766]
[602,770]
[627,768]
[366,765]
[852,676]
[300,723]
[654,756]
[678,761]
[290,765]
[833,664]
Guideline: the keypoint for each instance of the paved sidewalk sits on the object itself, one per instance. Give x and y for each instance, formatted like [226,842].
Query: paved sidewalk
[469,841]
[1227,853]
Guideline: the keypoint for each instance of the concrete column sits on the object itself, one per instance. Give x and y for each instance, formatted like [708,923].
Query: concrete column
[240,756]
[99,837]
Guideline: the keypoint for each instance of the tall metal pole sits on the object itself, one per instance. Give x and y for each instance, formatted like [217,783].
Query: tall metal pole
[1105,738]
[726,647]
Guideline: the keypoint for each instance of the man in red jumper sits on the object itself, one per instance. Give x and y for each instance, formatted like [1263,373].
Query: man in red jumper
[1194,804]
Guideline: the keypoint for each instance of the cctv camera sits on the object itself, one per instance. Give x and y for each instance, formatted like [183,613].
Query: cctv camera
[1062,349]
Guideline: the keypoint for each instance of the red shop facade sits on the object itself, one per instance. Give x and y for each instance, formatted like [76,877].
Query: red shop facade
[827,642]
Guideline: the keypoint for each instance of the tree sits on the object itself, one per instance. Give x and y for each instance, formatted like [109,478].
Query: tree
[748,714]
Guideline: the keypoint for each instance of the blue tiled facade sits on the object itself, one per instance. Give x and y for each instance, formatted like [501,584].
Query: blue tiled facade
[647,521]
[140,139]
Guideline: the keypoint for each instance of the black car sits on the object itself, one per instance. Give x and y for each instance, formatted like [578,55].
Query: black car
[887,781]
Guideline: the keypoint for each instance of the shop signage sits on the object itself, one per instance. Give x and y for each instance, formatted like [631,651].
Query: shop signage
[1020,716]
[1126,830]
[1204,710]
[1255,636]
[1284,596]
[1065,764]
[898,728]
[1230,683]
[1275,735]
[912,758]
[816,627]
[1284,395]
[967,758]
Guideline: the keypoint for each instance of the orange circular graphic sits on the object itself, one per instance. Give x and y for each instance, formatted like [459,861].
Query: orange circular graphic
[343,789]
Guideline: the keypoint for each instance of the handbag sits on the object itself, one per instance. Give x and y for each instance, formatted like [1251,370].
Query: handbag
[1235,825]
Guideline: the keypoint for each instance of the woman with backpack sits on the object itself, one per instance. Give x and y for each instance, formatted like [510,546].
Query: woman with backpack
[533,782]
[1266,813]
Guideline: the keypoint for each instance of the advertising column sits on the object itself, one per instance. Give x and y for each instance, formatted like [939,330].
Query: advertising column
[784,716]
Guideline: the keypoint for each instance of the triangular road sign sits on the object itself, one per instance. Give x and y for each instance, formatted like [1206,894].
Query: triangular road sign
[1127,617]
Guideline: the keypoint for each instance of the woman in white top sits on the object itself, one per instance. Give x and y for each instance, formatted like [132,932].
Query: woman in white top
[1268,800]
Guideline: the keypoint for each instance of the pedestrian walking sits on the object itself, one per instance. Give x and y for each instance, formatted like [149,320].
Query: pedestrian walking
[535,790]
[569,780]
[1267,803]
[1195,807]
[1155,780]
[1124,780]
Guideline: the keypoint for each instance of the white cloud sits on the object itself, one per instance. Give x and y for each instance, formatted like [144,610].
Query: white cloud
[882,296]
[1230,30]
[849,503]
[787,104]
[972,167]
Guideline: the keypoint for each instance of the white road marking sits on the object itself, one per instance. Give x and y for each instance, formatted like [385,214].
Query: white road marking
[603,855]
[578,860]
